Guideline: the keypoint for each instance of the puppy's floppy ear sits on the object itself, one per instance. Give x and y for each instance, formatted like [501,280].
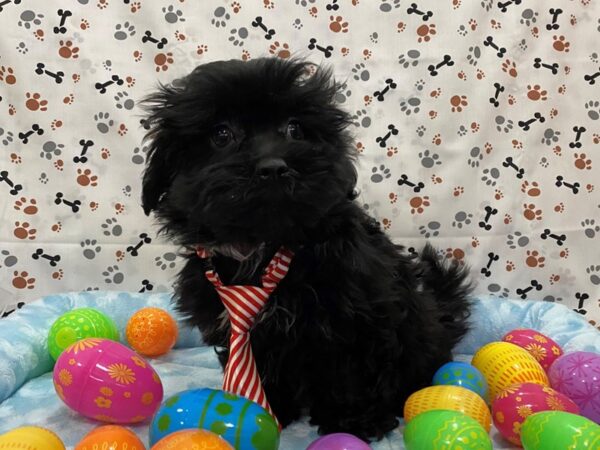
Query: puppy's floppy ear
[160,161]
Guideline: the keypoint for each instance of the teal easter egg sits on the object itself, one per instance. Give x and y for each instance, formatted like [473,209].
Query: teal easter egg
[443,430]
[241,422]
[464,375]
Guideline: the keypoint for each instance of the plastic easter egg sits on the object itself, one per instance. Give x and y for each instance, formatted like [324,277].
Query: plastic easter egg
[30,438]
[192,440]
[151,331]
[241,422]
[577,375]
[338,441]
[515,403]
[453,398]
[79,324]
[110,437]
[503,364]
[557,430]
[464,375]
[104,380]
[541,347]
[442,430]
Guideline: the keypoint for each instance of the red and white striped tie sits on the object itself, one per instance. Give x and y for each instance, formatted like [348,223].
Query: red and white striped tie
[243,303]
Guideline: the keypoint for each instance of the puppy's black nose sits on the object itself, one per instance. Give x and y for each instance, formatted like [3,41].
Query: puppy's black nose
[271,168]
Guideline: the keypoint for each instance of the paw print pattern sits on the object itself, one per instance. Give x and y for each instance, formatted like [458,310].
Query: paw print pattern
[167,260]
[590,228]
[428,160]
[412,105]
[380,173]
[113,275]
[173,15]
[411,59]
[446,127]
[123,31]
[103,122]
[90,249]
[360,72]
[110,227]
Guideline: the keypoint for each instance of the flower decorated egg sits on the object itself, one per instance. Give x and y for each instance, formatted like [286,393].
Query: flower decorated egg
[515,403]
[78,324]
[503,364]
[192,440]
[110,437]
[31,438]
[441,430]
[464,375]
[104,380]
[452,398]
[577,375]
[339,441]
[241,422]
[541,347]
[151,331]
[557,430]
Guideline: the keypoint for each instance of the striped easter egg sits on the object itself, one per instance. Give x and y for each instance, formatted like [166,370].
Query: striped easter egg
[503,364]
[558,430]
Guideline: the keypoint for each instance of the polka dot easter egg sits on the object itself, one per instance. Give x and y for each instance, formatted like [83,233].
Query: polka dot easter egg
[78,324]
[464,375]
[106,381]
[241,422]
[541,347]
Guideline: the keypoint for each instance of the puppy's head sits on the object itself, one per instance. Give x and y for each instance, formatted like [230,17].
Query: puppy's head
[246,153]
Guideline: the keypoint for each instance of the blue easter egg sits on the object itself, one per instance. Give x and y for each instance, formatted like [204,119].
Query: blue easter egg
[464,375]
[241,422]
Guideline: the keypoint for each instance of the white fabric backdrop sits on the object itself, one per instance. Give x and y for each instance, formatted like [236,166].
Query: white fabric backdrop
[465,149]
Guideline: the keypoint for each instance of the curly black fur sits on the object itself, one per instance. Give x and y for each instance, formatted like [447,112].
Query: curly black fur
[358,324]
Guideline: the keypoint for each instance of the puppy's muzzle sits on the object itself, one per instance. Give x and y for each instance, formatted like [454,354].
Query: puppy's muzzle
[272,169]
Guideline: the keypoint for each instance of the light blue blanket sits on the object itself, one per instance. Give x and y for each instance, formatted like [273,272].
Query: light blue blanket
[27,395]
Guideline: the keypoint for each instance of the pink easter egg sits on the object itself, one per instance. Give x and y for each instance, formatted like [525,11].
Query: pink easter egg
[577,375]
[106,381]
[514,404]
[541,347]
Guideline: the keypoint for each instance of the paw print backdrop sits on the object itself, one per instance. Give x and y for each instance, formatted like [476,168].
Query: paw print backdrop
[478,125]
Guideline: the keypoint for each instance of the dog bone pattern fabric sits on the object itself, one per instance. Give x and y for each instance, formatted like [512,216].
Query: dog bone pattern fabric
[477,124]
[26,378]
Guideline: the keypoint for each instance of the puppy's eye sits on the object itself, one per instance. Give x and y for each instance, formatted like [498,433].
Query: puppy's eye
[294,130]
[222,135]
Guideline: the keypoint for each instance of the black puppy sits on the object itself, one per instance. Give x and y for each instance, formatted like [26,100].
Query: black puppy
[246,157]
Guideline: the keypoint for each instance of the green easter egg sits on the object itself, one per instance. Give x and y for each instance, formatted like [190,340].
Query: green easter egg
[442,429]
[78,324]
[558,430]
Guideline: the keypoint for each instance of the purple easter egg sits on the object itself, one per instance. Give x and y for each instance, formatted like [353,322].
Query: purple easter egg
[339,441]
[577,375]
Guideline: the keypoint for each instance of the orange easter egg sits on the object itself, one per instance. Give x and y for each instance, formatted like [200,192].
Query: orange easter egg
[503,364]
[453,398]
[151,331]
[110,437]
[192,440]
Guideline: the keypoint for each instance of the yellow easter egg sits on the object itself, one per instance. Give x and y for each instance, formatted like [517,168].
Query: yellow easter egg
[504,364]
[453,398]
[30,438]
